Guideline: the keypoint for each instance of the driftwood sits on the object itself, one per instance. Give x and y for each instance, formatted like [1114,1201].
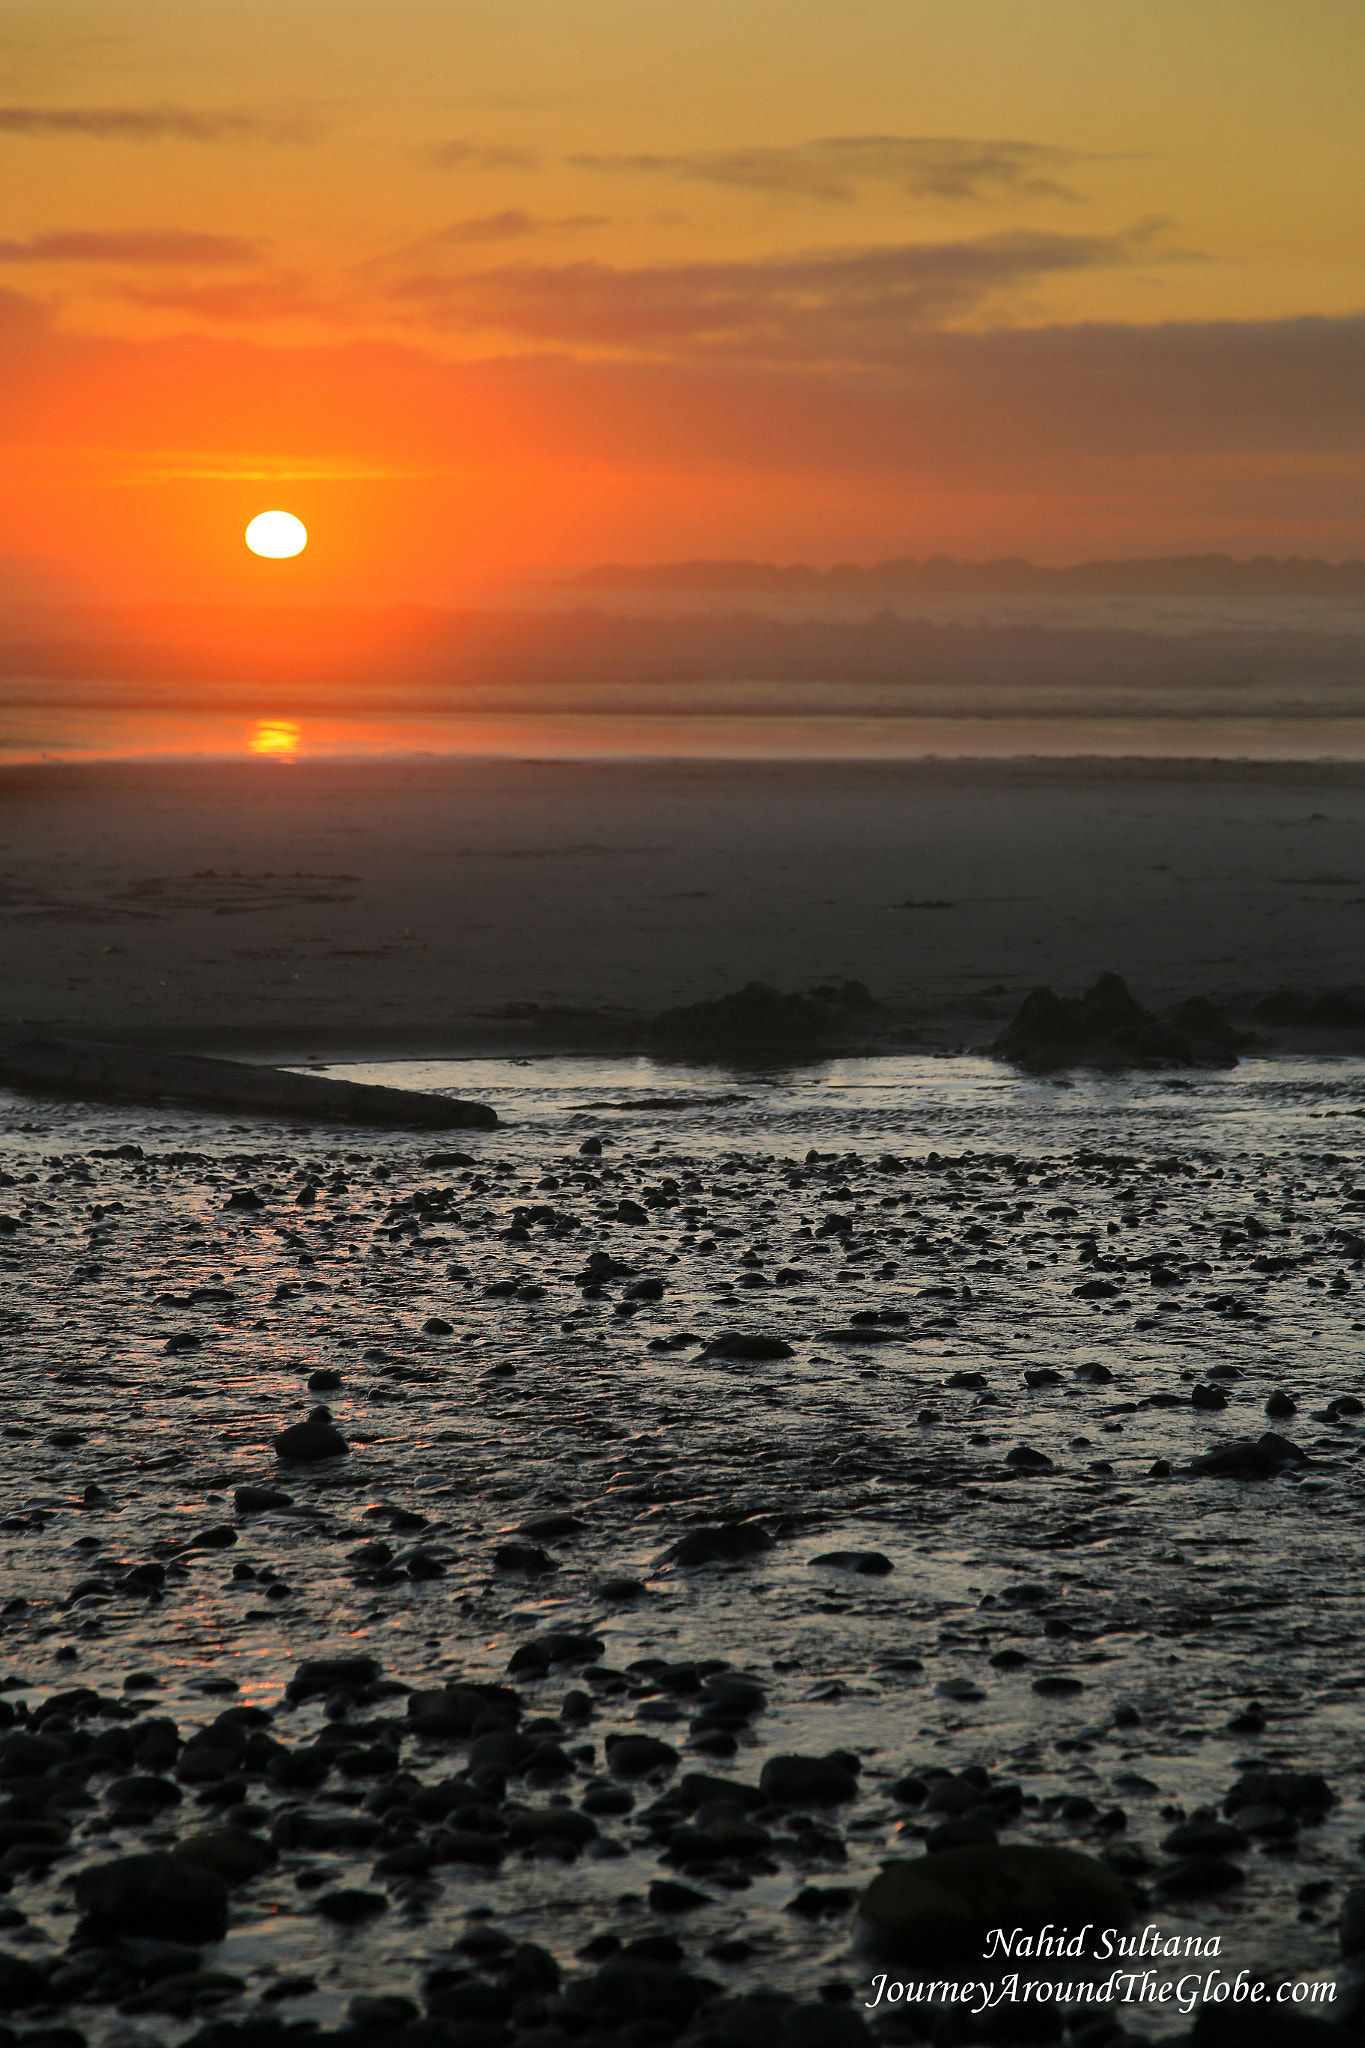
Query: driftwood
[70,1067]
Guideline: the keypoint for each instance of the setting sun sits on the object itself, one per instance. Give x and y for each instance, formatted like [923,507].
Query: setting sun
[277,534]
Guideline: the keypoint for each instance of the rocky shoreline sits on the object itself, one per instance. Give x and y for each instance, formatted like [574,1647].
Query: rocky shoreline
[691,1532]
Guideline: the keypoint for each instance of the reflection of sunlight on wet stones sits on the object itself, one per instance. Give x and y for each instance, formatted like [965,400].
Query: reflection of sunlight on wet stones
[941,1907]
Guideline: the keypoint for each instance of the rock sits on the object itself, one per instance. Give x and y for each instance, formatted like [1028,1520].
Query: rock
[760,1024]
[666,1895]
[307,1443]
[1351,1924]
[545,1528]
[437,1326]
[257,1500]
[1025,1459]
[155,1897]
[324,1381]
[939,1909]
[635,1756]
[1096,1290]
[721,1544]
[1106,1026]
[524,1557]
[1196,1877]
[143,1794]
[562,1646]
[22,1984]
[1279,1405]
[869,1564]
[233,1854]
[746,1344]
[1298,1792]
[647,1289]
[348,1908]
[1056,1685]
[422,1565]
[1204,1838]
[325,1674]
[807,1781]
[645,1998]
[1249,1458]
[220,1536]
[1208,1397]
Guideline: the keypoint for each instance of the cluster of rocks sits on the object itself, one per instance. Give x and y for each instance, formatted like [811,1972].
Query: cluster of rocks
[529,1790]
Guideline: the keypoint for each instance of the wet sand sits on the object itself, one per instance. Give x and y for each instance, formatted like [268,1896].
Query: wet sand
[313,909]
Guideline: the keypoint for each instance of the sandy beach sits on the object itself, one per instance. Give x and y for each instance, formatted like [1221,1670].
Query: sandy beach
[422,906]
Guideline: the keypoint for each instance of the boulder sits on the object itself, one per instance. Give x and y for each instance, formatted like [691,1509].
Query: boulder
[759,1023]
[306,1443]
[938,1909]
[155,1897]
[1247,1457]
[1106,1026]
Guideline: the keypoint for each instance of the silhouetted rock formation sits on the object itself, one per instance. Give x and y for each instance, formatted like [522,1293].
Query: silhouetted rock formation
[760,1023]
[1108,1027]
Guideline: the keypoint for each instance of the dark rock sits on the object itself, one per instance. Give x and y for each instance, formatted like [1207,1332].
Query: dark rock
[349,1907]
[545,1528]
[1196,1877]
[1279,1405]
[1208,1397]
[635,1756]
[759,1024]
[869,1564]
[257,1500]
[538,1653]
[721,1544]
[807,1780]
[524,1557]
[1025,1459]
[1106,1026]
[22,1984]
[1249,1458]
[437,1326]
[154,1897]
[666,1895]
[1298,1792]
[940,1908]
[324,1381]
[306,1443]
[326,1674]
[746,1344]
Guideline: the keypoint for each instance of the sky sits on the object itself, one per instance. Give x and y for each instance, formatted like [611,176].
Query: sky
[489,289]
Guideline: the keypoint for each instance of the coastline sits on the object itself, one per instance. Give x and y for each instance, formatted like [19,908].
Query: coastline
[527,908]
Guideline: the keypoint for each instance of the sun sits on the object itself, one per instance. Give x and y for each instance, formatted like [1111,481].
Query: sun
[277,534]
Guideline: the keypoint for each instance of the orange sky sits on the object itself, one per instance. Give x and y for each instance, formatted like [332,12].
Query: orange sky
[481,288]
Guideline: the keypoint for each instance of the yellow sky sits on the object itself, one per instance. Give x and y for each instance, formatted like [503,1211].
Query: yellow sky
[1234,127]
[807,188]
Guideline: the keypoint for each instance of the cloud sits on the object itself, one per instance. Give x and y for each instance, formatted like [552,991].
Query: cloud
[853,305]
[160,124]
[244,302]
[832,168]
[481,156]
[508,226]
[138,245]
[1090,437]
